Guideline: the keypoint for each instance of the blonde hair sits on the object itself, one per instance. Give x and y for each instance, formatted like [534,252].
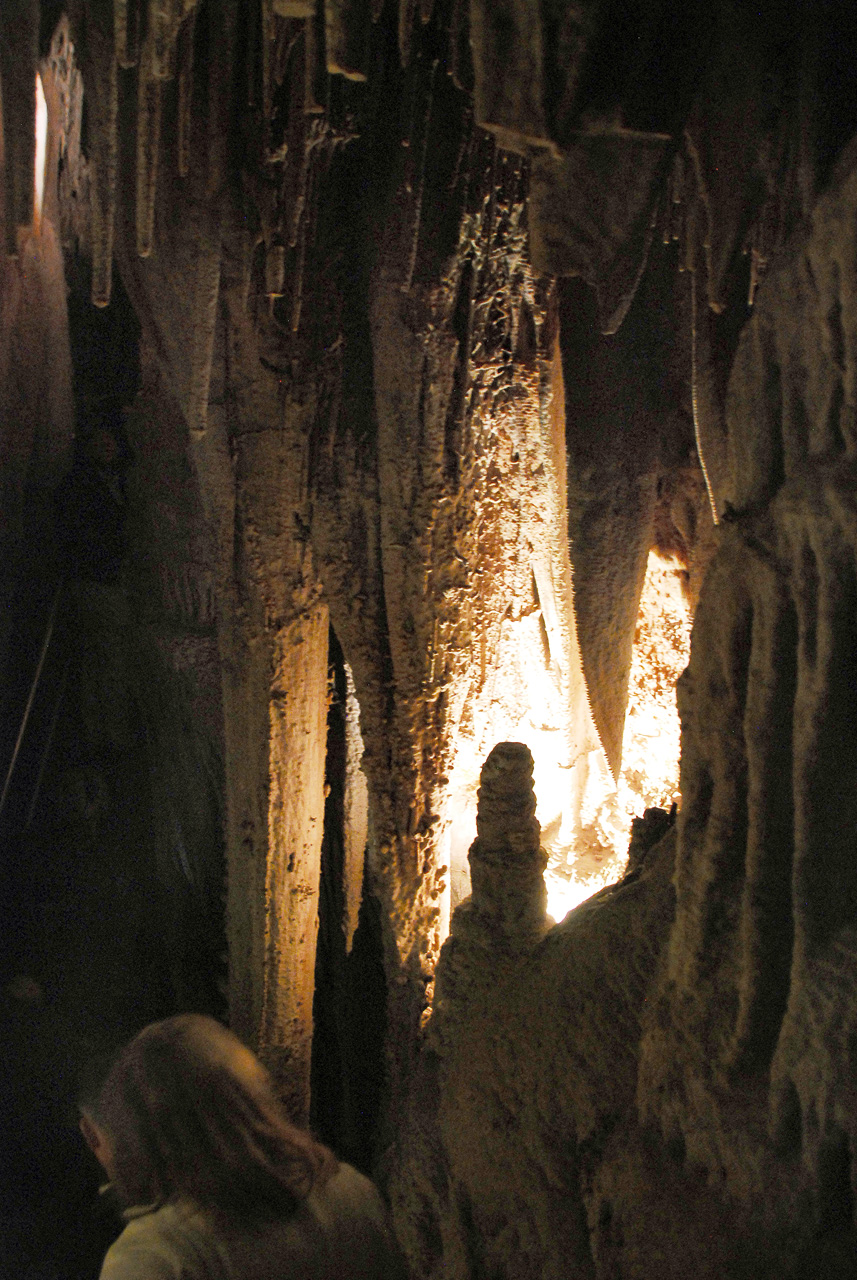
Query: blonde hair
[191,1113]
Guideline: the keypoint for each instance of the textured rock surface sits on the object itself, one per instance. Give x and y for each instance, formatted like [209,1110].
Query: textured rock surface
[736,1102]
[530,1067]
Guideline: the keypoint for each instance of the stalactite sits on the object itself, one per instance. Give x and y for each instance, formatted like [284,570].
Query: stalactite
[219,50]
[491,202]
[165,19]
[407,12]
[275,270]
[100,77]
[206,297]
[420,180]
[767,235]
[757,264]
[460,60]
[253,22]
[464,146]
[148,146]
[70,170]
[157,63]
[19,35]
[672,204]
[266,46]
[313,135]
[692,207]
[126,43]
[303,240]
[699,425]
[703,199]
[312,106]
[346,37]
[248,253]
[185,63]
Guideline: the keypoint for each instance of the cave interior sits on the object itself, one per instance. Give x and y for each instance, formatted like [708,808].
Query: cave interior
[358,361]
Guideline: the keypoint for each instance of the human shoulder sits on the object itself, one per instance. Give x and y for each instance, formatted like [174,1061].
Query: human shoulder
[350,1210]
[170,1242]
[350,1192]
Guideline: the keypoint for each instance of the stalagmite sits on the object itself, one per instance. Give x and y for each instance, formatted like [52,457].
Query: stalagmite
[19,34]
[506,861]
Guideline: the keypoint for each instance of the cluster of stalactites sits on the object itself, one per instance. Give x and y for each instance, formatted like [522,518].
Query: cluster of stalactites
[112,41]
[156,38]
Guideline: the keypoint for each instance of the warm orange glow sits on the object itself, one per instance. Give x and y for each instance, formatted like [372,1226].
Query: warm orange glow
[650,750]
[41,149]
[524,698]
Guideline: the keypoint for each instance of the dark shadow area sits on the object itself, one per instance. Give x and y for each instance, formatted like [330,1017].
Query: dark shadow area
[349,1008]
[111,834]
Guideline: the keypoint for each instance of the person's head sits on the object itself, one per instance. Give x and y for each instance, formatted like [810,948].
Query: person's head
[187,1111]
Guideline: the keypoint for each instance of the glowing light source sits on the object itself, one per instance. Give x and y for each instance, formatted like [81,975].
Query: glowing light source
[584,815]
[41,150]
[650,750]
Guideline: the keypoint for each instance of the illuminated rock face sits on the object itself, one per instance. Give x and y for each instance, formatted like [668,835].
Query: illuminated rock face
[526,1090]
[735,1102]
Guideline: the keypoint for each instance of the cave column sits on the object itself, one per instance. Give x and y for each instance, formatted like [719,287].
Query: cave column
[275,645]
[297,712]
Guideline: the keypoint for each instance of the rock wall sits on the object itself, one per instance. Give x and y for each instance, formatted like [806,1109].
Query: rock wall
[337,296]
[695,1104]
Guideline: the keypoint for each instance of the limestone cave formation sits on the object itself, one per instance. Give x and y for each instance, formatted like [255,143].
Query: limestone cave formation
[355,358]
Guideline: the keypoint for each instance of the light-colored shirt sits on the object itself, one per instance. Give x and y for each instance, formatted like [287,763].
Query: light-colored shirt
[340,1232]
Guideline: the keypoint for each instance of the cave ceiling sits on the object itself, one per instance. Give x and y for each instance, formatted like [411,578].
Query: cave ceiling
[279,141]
